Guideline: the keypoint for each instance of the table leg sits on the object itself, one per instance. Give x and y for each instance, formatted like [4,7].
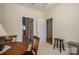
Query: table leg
[60,47]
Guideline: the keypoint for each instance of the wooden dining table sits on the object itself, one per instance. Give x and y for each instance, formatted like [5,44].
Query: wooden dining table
[17,48]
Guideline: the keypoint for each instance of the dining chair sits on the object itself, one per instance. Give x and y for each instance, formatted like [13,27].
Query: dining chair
[34,48]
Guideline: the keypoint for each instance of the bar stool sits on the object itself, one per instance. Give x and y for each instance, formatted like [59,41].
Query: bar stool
[59,44]
[75,45]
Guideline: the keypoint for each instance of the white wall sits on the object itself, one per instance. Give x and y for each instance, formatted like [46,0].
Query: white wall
[66,21]
[13,17]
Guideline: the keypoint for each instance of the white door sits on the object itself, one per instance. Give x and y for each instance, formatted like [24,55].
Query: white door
[41,29]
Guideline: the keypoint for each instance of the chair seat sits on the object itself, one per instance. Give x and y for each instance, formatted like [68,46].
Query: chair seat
[28,53]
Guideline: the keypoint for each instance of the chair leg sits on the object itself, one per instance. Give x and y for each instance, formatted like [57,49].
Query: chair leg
[57,43]
[77,50]
[70,49]
[63,46]
[60,47]
[54,44]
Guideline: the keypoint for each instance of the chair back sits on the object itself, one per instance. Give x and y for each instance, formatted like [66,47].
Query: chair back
[35,44]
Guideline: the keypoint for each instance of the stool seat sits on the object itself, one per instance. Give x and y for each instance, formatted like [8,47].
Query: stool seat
[59,39]
[59,43]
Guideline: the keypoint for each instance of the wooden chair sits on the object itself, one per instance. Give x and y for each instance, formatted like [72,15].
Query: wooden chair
[34,47]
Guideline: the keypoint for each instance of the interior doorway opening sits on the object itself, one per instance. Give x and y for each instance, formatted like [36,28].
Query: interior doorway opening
[27,29]
[49,30]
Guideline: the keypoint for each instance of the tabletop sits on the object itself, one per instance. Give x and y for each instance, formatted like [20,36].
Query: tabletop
[17,48]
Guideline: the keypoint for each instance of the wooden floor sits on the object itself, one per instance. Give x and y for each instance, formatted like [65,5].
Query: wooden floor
[17,48]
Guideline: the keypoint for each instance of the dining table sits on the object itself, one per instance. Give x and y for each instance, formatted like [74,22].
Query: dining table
[17,48]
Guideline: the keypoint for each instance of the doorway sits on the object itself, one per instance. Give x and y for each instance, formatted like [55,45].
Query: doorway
[27,29]
[41,29]
[49,24]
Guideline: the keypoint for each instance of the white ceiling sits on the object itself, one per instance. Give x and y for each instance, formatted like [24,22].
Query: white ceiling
[39,6]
